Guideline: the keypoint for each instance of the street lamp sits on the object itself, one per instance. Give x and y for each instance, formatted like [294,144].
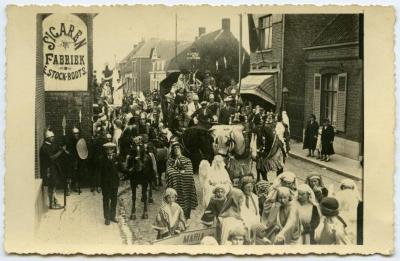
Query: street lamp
[285,94]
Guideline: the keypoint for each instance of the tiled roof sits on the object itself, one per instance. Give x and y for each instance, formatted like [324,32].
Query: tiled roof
[342,29]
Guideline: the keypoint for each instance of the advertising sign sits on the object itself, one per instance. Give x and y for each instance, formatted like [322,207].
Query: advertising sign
[65,53]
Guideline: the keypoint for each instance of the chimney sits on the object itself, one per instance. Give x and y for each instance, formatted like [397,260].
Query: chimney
[226,24]
[202,30]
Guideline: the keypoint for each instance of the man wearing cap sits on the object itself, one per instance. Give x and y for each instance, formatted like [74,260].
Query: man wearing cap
[50,167]
[227,111]
[109,176]
[332,228]
[204,115]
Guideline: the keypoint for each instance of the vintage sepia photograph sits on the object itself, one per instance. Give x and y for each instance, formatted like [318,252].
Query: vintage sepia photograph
[213,126]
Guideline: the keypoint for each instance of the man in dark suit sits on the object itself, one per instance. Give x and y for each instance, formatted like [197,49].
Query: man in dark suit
[204,115]
[109,172]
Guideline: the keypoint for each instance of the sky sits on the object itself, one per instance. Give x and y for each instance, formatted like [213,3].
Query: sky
[117,29]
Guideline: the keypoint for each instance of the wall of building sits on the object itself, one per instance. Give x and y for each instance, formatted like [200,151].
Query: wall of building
[348,142]
[300,31]
[68,104]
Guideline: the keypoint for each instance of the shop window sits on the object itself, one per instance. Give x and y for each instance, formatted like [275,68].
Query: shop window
[265,29]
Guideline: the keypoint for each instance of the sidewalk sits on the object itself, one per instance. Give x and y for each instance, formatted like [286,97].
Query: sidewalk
[81,222]
[344,166]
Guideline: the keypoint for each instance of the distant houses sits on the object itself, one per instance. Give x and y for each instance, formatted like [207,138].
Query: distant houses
[218,52]
[150,62]
[146,65]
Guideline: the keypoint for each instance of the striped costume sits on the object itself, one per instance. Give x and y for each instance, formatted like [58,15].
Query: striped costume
[180,177]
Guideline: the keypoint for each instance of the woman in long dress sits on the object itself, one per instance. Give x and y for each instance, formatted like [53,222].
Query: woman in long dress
[310,136]
[309,214]
[217,175]
[179,176]
[230,216]
[327,137]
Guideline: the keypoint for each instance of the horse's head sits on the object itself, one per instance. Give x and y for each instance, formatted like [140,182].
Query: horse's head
[227,138]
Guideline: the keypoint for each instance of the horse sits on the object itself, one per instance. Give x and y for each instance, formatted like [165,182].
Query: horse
[197,145]
[239,147]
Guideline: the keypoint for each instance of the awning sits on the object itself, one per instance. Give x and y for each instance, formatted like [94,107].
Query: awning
[262,86]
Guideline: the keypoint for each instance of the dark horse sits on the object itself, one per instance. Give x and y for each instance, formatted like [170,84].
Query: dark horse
[197,145]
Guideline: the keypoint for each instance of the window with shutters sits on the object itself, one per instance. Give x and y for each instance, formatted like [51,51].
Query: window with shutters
[265,29]
[330,83]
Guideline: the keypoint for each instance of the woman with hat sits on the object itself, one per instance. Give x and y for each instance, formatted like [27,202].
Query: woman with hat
[170,219]
[327,137]
[311,135]
[179,176]
[309,213]
[332,228]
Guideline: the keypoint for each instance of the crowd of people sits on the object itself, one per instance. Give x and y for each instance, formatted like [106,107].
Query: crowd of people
[139,142]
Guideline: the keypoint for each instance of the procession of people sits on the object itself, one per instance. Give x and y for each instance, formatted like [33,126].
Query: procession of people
[141,142]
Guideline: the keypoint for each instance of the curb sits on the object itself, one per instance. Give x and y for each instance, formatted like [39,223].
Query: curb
[342,173]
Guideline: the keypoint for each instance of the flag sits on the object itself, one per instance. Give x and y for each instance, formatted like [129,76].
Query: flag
[216,64]
[243,57]
[225,62]
[253,34]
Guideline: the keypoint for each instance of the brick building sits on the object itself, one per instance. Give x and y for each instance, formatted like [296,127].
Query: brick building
[277,64]
[64,42]
[334,81]
[146,65]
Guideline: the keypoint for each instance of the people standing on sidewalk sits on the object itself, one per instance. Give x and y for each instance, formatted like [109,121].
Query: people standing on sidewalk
[327,137]
[109,173]
[50,167]
[310,136]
